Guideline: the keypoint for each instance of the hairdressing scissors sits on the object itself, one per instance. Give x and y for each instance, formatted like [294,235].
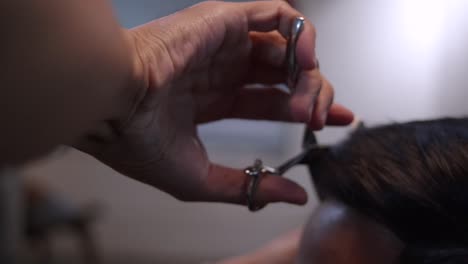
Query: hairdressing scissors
[311,151]
[258,169]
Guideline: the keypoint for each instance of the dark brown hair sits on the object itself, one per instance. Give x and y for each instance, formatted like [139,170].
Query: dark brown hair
[411,177]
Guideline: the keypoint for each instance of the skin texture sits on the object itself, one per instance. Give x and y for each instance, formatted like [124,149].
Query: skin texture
[133,98]
[336,234]
[195,66]
[406,184]
[282,250]
[60,75]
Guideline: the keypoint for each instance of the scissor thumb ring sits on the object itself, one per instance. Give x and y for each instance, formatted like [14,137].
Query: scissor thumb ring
[255,174]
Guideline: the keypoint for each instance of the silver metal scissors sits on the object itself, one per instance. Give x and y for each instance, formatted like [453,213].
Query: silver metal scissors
[258,170]
[311,150]
[311,153]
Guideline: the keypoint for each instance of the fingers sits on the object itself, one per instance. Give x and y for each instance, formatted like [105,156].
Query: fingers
[269,24]
[267,59]
[339,115]
[313,95]
[291,2]
[311,103]
[266,16]
[323,103]
[314,102]
[230,185]
[248,103]
[269,48]
[304,98]
[274,104]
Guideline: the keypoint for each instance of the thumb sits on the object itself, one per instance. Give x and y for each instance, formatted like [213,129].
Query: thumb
[230,185]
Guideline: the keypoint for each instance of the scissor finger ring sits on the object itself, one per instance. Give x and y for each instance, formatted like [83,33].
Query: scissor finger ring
[255,174]
[293,68]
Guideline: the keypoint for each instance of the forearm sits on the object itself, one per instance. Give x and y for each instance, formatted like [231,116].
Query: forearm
[66,67]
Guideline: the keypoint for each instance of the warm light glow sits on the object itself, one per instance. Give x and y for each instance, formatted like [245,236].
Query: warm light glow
[422,21]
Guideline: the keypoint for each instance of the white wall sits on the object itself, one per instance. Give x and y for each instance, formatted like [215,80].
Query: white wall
[390,61]
[394,60]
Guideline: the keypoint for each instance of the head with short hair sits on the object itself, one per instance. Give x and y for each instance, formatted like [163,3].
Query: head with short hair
[393,194]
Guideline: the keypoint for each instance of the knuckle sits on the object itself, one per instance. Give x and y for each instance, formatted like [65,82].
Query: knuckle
[282,5]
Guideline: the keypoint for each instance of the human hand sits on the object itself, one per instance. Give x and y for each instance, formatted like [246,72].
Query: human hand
[194,67]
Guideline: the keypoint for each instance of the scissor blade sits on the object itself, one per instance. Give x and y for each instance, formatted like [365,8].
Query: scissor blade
[307,155]
[292,162]
[315,153]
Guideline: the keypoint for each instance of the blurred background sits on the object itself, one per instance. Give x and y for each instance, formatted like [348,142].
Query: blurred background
[389,61]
